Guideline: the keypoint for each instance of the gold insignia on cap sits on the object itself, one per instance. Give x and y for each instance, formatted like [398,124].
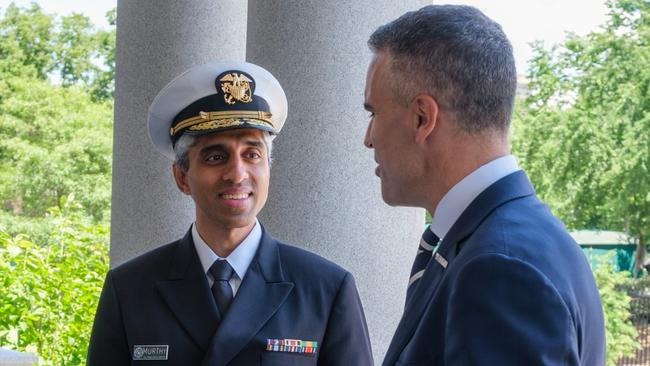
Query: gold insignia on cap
[236,87]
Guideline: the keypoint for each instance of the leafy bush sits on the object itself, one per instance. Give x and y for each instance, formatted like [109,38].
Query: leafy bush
[56,112]
[54,141]
[55,132]
[581,134]
[620,332]
[50,290]
[34,229]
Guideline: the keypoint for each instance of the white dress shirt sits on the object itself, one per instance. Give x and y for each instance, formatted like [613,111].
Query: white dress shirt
[456,200]
[240,258]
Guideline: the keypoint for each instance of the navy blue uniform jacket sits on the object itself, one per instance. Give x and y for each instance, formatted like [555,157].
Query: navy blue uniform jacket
[163,298]
[516,290]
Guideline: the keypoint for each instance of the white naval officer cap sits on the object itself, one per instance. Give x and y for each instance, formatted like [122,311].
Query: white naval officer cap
[214,97]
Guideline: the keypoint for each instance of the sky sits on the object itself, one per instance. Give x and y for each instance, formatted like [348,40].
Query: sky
[523,21]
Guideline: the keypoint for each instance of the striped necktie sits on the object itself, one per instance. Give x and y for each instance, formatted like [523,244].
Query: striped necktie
[425,251]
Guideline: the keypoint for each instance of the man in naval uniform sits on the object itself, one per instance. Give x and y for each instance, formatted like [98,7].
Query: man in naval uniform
[227,293]
[497,280]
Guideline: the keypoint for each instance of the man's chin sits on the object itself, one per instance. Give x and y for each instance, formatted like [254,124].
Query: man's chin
[389,198]
[394,199]
[233,222]
[241,223]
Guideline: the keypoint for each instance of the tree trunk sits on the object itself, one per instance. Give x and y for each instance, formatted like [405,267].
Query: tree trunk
[639,256]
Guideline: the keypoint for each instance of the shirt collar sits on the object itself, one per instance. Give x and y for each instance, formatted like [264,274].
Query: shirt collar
[240,258]
[456,200]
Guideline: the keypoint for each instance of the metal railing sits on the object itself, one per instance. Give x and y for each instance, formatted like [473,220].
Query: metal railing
[640,309]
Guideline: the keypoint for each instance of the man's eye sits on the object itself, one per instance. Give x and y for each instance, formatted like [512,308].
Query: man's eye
[214,157]
[371,114]
[253,155]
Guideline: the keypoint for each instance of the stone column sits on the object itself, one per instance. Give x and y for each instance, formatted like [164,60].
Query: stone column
[14,358]
[157,40]
[324,195]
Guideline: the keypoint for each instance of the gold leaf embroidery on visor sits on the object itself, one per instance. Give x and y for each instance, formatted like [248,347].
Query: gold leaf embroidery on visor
[221,119]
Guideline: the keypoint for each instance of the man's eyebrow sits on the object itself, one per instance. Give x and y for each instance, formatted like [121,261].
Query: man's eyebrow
[255,143]
[222,147]
[212,147]
[367,107]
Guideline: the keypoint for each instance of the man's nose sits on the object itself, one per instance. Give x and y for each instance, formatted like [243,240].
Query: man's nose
[237,171]
[367,140]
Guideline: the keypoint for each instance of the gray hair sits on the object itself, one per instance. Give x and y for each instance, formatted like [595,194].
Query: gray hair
[457,55]
[185,142]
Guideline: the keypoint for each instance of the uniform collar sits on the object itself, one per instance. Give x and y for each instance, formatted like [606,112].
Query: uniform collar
[456,200]
[240,258]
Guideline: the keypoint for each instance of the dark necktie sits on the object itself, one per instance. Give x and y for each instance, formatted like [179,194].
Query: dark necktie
[221,272]
[425,251]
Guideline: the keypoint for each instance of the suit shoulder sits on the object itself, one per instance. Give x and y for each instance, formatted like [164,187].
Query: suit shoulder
[525,225]
[525,231]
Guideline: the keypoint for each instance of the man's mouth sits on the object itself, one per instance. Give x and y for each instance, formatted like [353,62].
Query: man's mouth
[238,196]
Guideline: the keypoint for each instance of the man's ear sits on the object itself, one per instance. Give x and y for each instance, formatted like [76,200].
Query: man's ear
[426,110]
[180,176]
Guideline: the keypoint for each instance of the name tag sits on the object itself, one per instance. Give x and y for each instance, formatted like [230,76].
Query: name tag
[150,352]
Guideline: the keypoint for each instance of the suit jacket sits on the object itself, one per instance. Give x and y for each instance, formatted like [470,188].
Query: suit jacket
[515,290]
[162,298]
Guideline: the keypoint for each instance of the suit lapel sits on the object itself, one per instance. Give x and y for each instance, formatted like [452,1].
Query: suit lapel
[510,187]
[187,294]
[262,292]
[422,295]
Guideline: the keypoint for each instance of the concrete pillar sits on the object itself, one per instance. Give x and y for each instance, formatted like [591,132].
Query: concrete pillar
[324,195]
[14,358]
[157,40]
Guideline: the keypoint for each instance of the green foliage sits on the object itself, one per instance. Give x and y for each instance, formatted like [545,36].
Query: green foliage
[619,331]
[583,134]
[54,141]
[103,83]
[69,49]
[55,138]
[50,289]
[26,39]
[56,82]
[35,229]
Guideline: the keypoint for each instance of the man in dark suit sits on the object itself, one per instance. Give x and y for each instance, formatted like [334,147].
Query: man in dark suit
[227,293]
[497,280]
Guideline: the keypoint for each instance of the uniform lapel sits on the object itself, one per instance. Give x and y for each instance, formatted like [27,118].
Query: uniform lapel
[261,294]
[510,187]
[187,294]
